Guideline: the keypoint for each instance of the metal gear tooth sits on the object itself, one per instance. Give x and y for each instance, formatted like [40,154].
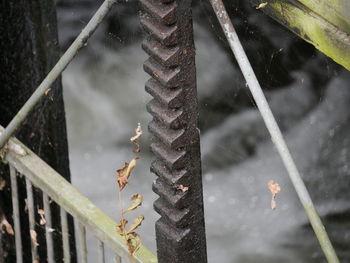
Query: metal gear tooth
[170,193]
[171,233]
[171,118]
[173,159]
[165,13]
[166,35]
[177,217]
[174,139]
[179,177]
[166,76]
[169,57]
[171,98]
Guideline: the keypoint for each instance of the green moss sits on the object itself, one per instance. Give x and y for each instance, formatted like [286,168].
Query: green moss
[336,12]
[313,29]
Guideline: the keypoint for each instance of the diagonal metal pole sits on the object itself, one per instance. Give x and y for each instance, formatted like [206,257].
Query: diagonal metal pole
[63,62]
[274,130]
[180,231]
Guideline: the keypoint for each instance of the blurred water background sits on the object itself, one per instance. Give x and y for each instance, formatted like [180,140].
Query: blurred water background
[309,95]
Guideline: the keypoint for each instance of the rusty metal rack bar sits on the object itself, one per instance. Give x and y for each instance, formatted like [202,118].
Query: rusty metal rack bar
[180,231]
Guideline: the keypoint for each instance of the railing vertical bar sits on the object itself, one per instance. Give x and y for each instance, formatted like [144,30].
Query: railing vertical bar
[15,206]
[117,259]
[48,228]
[65,236]
[101,252]
[82,243]
[30,205]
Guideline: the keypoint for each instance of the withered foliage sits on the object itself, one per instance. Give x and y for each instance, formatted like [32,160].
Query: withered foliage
[136,139]
[274,189]
[7,225]
[124,173]
[33,236]
[132,239]
[41,212]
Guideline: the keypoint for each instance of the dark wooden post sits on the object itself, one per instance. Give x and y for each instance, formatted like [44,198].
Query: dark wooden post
[28,50]
[180,231]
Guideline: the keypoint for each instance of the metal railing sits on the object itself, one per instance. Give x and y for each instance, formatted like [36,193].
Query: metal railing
[88,217]
[180,231]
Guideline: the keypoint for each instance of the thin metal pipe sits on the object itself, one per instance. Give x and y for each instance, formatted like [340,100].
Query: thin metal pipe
[101,252]
[30,205]
[48,229]
[16,218]
[62,63]
[82,243]
[65,236]
[274,130]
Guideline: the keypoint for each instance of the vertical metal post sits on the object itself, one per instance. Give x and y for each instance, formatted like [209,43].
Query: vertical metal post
[30,200]
[101,252]
[48,229]
[16,217]
[180,231]
[65,236]
[82,243]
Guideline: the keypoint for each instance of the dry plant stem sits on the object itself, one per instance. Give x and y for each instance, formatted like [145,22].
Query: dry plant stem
[274,130]
[67,57]
[121,204]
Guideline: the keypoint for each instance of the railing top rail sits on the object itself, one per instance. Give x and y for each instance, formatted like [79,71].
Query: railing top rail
[69,198]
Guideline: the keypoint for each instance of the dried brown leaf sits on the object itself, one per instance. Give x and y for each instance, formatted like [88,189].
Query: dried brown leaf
[41,212]
[274,189]
[262,5]
[121,227]
[133,242]
[47,91]
[33,236]
[124,173]
[8,227]
[137,222]
[2,183]
[137,201]
[135,139]
[181,187]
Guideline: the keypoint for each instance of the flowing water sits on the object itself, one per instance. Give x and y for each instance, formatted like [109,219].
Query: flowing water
[105,99]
